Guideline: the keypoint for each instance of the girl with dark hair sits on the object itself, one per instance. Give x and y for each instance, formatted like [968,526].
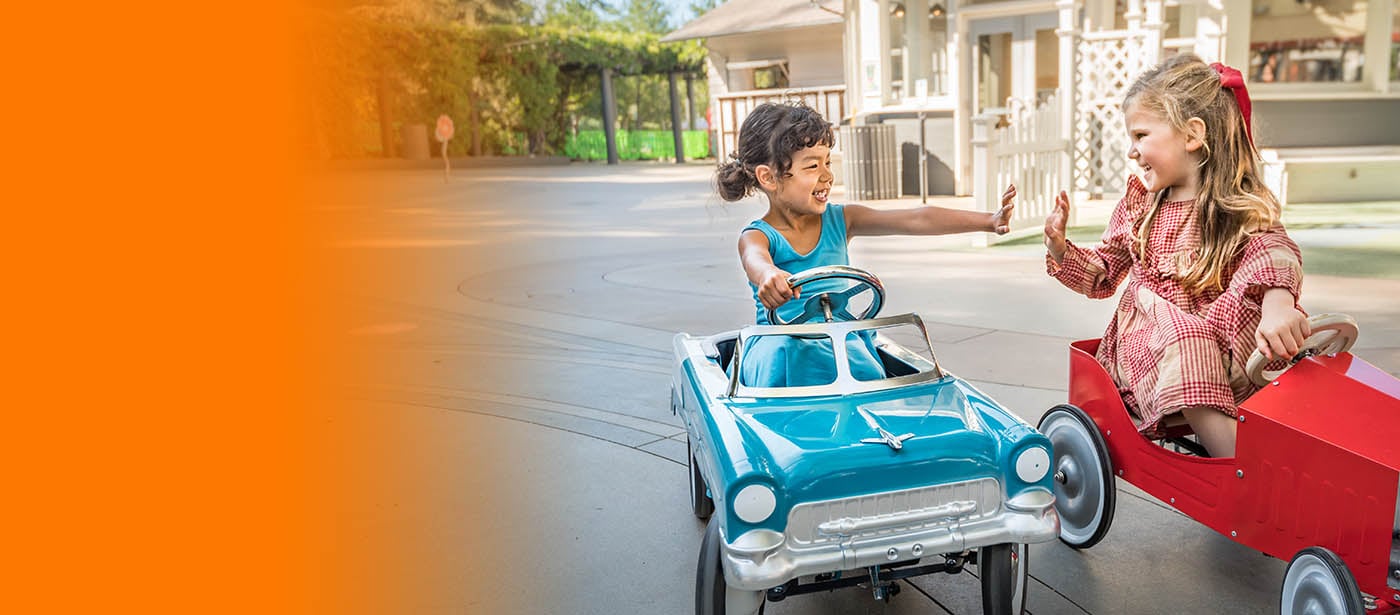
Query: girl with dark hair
[784,152]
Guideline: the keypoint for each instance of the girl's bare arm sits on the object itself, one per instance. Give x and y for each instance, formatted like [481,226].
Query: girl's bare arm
[773,289]
[931,220]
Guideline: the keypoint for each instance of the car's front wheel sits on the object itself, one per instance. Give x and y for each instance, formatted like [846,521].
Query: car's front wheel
[713,596]
[700,500]
[1004,576]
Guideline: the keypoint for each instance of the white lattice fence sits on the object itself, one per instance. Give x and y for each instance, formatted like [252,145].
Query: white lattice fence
[1108,63]
[1029,150]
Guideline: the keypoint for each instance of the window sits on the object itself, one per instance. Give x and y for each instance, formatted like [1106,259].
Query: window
[763,74]
[1308,41]
[918,50]
[898,49]
[770,78]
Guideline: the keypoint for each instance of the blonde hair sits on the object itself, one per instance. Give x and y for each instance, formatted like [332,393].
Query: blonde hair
[1233,201]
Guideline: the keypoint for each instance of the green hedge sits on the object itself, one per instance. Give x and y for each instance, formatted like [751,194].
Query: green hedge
[637,145]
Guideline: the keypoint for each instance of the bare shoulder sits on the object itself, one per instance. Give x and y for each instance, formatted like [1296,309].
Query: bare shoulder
[752,238]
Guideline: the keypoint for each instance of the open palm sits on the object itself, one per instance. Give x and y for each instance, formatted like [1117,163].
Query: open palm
[1055,225]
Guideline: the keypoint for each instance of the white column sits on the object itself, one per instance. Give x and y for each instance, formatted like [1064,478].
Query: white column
[1210,32]
[984,194]
[961,91]
[1067,92]
[850,58]
[1152,27]
[1377,69]
[1235,31]
[870,78]
[886,66]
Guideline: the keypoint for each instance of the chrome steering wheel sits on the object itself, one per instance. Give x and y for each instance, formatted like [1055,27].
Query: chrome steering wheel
[831,306]
[1331,334]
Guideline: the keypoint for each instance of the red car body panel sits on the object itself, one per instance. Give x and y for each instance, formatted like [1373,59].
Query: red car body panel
[1317,462]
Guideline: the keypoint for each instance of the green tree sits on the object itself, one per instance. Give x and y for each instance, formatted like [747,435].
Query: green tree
[700,7]
[470,13]
[582,14]
[645,16]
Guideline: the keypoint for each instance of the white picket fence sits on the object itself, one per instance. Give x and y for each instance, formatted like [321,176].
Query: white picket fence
[1025,146]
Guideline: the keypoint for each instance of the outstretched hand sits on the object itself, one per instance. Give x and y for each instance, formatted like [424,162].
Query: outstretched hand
[1001,220]
[774,290]
[1055,227]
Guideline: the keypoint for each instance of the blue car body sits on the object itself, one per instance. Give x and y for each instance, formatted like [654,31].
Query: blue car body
[856,473]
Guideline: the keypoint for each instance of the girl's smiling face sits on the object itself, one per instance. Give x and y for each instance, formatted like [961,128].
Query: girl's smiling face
[1168,157]
[805,187]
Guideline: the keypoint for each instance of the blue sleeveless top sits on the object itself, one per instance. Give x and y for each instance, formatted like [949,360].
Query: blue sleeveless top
[778,361]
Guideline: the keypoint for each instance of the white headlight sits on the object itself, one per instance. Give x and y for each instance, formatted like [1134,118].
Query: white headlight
[754,503]
[1032,464]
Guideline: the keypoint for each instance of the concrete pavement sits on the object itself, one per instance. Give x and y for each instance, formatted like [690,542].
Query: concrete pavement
[521,321]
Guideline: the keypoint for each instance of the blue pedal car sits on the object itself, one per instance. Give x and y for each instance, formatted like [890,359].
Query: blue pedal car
[813,488]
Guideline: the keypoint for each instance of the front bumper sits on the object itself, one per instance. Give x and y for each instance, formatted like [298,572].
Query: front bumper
[763,559]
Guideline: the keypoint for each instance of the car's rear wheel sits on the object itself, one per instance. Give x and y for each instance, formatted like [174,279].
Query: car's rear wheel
[700,500]
[1004,575]
[713,596]
[1084,489]
[1318,583]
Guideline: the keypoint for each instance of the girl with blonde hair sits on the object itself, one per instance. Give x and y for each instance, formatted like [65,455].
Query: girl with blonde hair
[1211,273]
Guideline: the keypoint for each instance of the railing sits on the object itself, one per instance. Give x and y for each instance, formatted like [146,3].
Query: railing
[829,100]
[1029,150]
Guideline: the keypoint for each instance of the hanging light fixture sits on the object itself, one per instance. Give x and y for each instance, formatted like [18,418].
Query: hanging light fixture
[897,9]
[935,11]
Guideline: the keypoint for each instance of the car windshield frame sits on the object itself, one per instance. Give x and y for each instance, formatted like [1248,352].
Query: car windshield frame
[845,383]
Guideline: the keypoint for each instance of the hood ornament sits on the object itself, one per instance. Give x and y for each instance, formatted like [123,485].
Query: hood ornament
[894,442]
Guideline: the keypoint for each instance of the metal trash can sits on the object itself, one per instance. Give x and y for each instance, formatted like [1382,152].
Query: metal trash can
[870,161]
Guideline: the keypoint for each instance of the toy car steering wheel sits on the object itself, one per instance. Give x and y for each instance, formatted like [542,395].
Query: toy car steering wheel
[831,306]
[1331,334]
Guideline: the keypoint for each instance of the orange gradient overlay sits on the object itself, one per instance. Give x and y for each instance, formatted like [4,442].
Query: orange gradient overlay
[174,326]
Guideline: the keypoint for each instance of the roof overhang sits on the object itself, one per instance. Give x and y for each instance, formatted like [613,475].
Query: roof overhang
[748,16]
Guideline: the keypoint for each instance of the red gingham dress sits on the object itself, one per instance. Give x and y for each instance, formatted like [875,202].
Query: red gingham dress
[1168,349]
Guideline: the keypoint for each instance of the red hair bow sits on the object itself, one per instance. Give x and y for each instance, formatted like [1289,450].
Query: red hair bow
[1232,80]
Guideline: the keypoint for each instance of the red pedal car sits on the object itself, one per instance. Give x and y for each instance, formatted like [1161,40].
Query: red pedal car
[1315,479]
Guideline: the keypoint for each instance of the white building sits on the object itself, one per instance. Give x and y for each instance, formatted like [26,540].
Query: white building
[765,50]
[1324,76]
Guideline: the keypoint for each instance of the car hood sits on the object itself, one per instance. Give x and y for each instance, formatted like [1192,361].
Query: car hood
[835,447]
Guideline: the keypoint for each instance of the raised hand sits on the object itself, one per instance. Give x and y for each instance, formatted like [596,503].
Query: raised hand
[1001,220]
[1055,227]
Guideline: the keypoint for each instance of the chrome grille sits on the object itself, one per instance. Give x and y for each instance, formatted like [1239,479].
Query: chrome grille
[894,512]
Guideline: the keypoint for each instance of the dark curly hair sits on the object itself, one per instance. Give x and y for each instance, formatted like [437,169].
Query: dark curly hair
[771,134]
